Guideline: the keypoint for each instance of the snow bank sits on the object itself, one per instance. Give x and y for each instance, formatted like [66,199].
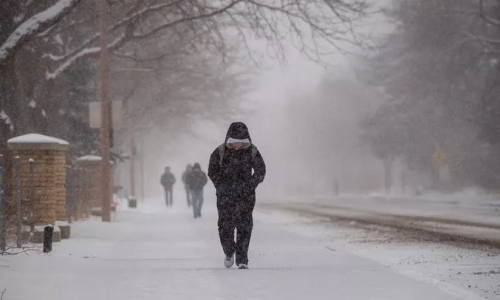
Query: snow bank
[466,196]
[35,138]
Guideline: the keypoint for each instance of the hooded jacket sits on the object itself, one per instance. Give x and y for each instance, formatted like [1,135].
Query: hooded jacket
[196,180]
[238,174]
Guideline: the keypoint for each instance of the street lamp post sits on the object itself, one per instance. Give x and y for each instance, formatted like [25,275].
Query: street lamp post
[107,192]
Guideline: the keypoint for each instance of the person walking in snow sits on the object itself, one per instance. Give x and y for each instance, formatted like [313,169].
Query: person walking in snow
[236,168]
[186,188]
[167,181]
[196,181]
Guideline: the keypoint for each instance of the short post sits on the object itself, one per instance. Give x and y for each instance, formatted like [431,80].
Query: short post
[3,244]
[132,202]
[19,217]
[47,238]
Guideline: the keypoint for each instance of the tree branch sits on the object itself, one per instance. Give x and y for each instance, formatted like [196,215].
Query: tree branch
[482,14]
[35,25]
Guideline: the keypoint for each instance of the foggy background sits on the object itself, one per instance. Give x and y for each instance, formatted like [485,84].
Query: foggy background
[355,103]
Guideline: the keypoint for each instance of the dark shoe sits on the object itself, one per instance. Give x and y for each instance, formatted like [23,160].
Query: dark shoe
[229,261]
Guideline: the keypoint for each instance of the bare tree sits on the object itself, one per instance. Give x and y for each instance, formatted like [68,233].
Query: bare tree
[225,22]
[213,30]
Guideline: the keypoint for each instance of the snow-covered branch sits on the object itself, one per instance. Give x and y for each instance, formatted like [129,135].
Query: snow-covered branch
[484,15]
[141,21]
[35,25]
[126,21]
[83,53]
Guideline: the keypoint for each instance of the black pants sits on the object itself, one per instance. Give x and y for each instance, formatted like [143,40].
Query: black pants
[236,213]
[188,195]
[169,197]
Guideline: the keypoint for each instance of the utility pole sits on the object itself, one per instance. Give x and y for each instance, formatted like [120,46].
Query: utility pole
[142,175]
[107,192]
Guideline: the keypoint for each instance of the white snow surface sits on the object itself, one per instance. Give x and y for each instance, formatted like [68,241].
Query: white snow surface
[90,158]
[465,273]
[42,228]
[157,253]
[62,223]
[35,138]
[32,24]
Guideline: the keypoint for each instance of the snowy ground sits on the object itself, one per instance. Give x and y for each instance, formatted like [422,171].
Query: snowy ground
[469,215]
[460,266]
[154,253]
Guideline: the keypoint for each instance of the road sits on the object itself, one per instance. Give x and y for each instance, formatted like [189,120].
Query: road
[155,253]
[470,220]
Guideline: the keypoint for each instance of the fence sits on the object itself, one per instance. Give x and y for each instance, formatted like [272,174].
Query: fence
[17,227]
[78,193]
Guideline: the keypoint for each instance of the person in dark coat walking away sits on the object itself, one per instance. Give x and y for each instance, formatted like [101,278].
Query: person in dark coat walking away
[196,181]
[236,168]
[168,181]
[186,188]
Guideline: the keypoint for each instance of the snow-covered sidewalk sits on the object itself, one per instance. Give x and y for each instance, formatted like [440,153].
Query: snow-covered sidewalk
[153,253]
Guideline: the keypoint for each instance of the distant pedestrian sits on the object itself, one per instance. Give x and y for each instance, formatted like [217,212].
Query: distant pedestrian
[236,168]
[168,181]
[196,181]
[186,188]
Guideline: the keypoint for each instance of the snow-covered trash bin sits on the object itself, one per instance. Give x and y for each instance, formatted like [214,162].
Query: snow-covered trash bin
[48,190]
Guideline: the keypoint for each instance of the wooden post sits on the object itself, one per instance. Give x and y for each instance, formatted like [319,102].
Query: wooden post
[3,244]
[107,192]
[19,217]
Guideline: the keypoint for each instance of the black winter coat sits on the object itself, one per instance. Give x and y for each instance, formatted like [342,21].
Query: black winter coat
[167,180]
[239,175]
[196,180]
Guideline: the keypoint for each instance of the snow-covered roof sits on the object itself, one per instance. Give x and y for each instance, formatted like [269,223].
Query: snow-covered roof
[35,138]
[90,158]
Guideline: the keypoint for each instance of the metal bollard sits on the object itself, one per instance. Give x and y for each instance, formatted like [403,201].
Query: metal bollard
[48,232]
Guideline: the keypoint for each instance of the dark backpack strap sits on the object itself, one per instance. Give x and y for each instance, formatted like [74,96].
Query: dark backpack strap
[222,148]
